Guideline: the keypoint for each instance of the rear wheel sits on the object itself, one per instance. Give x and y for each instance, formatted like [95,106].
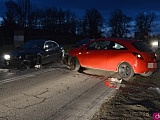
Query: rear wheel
[74,64]
[125,71]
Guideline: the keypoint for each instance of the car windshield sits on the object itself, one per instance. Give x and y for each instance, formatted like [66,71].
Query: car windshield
[82,42]
[33,44]
[142,46]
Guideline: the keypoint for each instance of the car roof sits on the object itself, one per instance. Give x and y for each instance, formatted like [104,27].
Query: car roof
[41,40]
[123,41]
[119,39]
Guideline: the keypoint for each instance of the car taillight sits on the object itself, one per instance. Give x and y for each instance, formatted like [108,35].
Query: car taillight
[138,56]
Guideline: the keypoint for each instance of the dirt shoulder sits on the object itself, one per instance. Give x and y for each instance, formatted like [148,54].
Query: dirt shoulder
[136,99]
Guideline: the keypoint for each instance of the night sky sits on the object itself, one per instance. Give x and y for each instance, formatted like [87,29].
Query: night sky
[129,7]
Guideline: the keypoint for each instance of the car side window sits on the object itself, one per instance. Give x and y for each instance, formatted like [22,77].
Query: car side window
[120,47]
[54,44]
[103,44]
[116,46]
[49,45]
[92,46]
[98,45]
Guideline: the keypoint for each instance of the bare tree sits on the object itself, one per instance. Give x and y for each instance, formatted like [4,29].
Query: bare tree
[10,20]
[144,23]
[24,13]
[59,21]
[19,12]
[70,22]
[119,23]
[93,22]
[11,17]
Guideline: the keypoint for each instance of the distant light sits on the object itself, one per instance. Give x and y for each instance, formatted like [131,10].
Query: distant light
[155,43]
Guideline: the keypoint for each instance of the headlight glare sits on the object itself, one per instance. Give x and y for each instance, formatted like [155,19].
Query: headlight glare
[7,57]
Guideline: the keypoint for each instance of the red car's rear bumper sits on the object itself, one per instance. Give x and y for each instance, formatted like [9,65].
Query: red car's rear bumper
[142,66]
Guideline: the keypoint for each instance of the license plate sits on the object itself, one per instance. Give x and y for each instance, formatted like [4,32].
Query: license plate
[152,65]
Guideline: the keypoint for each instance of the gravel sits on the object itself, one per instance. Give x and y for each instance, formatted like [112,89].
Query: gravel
[136,99]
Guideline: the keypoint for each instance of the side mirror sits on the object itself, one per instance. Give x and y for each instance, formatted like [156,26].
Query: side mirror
[49,48]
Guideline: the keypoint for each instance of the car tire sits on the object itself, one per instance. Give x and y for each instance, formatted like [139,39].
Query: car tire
[38,63]
[147,74]
[125,71]
[74,64]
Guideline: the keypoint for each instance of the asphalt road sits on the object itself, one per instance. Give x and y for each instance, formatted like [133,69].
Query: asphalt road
[53,93]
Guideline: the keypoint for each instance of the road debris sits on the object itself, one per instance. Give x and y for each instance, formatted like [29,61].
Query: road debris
[113,82]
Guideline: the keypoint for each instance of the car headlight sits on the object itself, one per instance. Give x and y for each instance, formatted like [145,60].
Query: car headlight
[7,57]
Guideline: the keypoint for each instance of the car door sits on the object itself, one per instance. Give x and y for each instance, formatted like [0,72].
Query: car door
[49,51]
[93,56]
[56,54]
[115,54]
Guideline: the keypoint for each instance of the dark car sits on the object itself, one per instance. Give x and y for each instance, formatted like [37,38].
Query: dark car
[34,52]
[125,56]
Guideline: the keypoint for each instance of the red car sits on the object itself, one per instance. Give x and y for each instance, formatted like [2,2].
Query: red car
[125,56]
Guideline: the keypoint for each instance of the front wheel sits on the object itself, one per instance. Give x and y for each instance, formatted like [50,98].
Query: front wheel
[74,64]
[38,63]
[125,71]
